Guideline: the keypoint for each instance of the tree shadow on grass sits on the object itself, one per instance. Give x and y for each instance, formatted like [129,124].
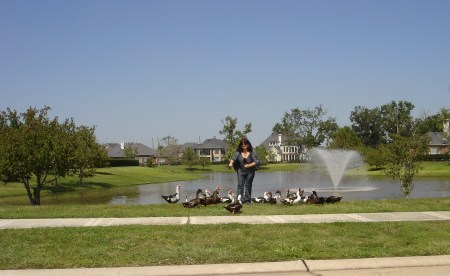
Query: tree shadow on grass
[104,173]
[375,169]
[70,187]
[198,170]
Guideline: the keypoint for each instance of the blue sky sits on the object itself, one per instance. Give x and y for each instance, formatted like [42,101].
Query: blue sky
[142,70]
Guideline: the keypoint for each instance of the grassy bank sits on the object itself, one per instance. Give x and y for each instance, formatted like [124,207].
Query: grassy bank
[177,210]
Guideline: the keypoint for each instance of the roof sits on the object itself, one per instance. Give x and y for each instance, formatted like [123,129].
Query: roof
[212,143]
[142,150]
[272,142]
[437,139]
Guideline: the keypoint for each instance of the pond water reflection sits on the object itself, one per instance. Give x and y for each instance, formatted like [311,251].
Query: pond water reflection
[350,188]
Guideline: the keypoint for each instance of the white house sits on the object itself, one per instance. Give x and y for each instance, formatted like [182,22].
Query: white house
[281,150]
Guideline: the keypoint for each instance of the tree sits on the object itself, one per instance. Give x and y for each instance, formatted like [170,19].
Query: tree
[204,162]
[130,152]
[367,123]
[345,138]
[433,123]
[307,128]
[262,153]
[189,157]
[232,135]
[36,147]
[170,149]
[88,154]
[375,156]
[403,159]
[397,119]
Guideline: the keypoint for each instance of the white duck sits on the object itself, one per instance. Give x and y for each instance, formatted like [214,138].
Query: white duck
[300,198]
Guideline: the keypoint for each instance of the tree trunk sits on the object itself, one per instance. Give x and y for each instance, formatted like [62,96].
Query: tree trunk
[26,183]
[81,176]
[37,196]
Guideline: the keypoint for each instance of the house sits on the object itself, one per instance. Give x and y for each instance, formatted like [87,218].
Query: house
[143,152]
[438,143]
[439,140]
[214,149]
[280,151]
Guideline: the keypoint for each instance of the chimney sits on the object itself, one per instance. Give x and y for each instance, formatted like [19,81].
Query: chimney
[447,126]
[279,139]
[122,144]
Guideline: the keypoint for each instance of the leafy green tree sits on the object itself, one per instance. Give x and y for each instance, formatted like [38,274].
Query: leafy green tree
[88,154]
[262,153]
[397,119]
[130,152]
[433,123]
[189,157]
[306,128]
[345,138]
[204,162]
[36,147]
[232,135]
[403,159]
[375,156]
[368,125]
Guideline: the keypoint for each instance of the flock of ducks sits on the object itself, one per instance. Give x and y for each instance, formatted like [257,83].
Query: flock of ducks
[234,203]
[204,198]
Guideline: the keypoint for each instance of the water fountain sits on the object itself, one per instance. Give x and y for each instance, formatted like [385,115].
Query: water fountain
[336,162]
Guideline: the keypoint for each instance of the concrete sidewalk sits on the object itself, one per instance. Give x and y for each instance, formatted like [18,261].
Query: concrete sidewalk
[427,265]
[321,218]
[424,265]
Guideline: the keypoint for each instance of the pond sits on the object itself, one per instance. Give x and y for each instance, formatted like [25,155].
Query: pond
[350,188]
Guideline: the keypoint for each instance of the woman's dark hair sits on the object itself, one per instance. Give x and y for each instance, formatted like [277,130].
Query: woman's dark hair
[246,141]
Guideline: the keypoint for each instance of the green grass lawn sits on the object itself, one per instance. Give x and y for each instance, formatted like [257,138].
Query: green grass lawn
[206,244]
[203,244]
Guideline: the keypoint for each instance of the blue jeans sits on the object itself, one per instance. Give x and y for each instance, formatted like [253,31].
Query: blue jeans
[244,187]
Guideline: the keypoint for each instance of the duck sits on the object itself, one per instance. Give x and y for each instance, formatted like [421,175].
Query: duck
[299,197]
[271,199]
[214,198]
[207,193]
[290,195]
[260,199]
[234,207]
[333,199]
[315,199]
[281,199]
[173,198]
[195,201]
[228,198]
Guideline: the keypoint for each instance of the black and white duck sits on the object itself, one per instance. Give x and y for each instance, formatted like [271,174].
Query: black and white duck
[260,199]
[228,198]
[173,198]
[271,199]
[301,198]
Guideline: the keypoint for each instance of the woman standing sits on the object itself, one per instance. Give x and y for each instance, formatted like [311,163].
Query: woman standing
[245,162]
